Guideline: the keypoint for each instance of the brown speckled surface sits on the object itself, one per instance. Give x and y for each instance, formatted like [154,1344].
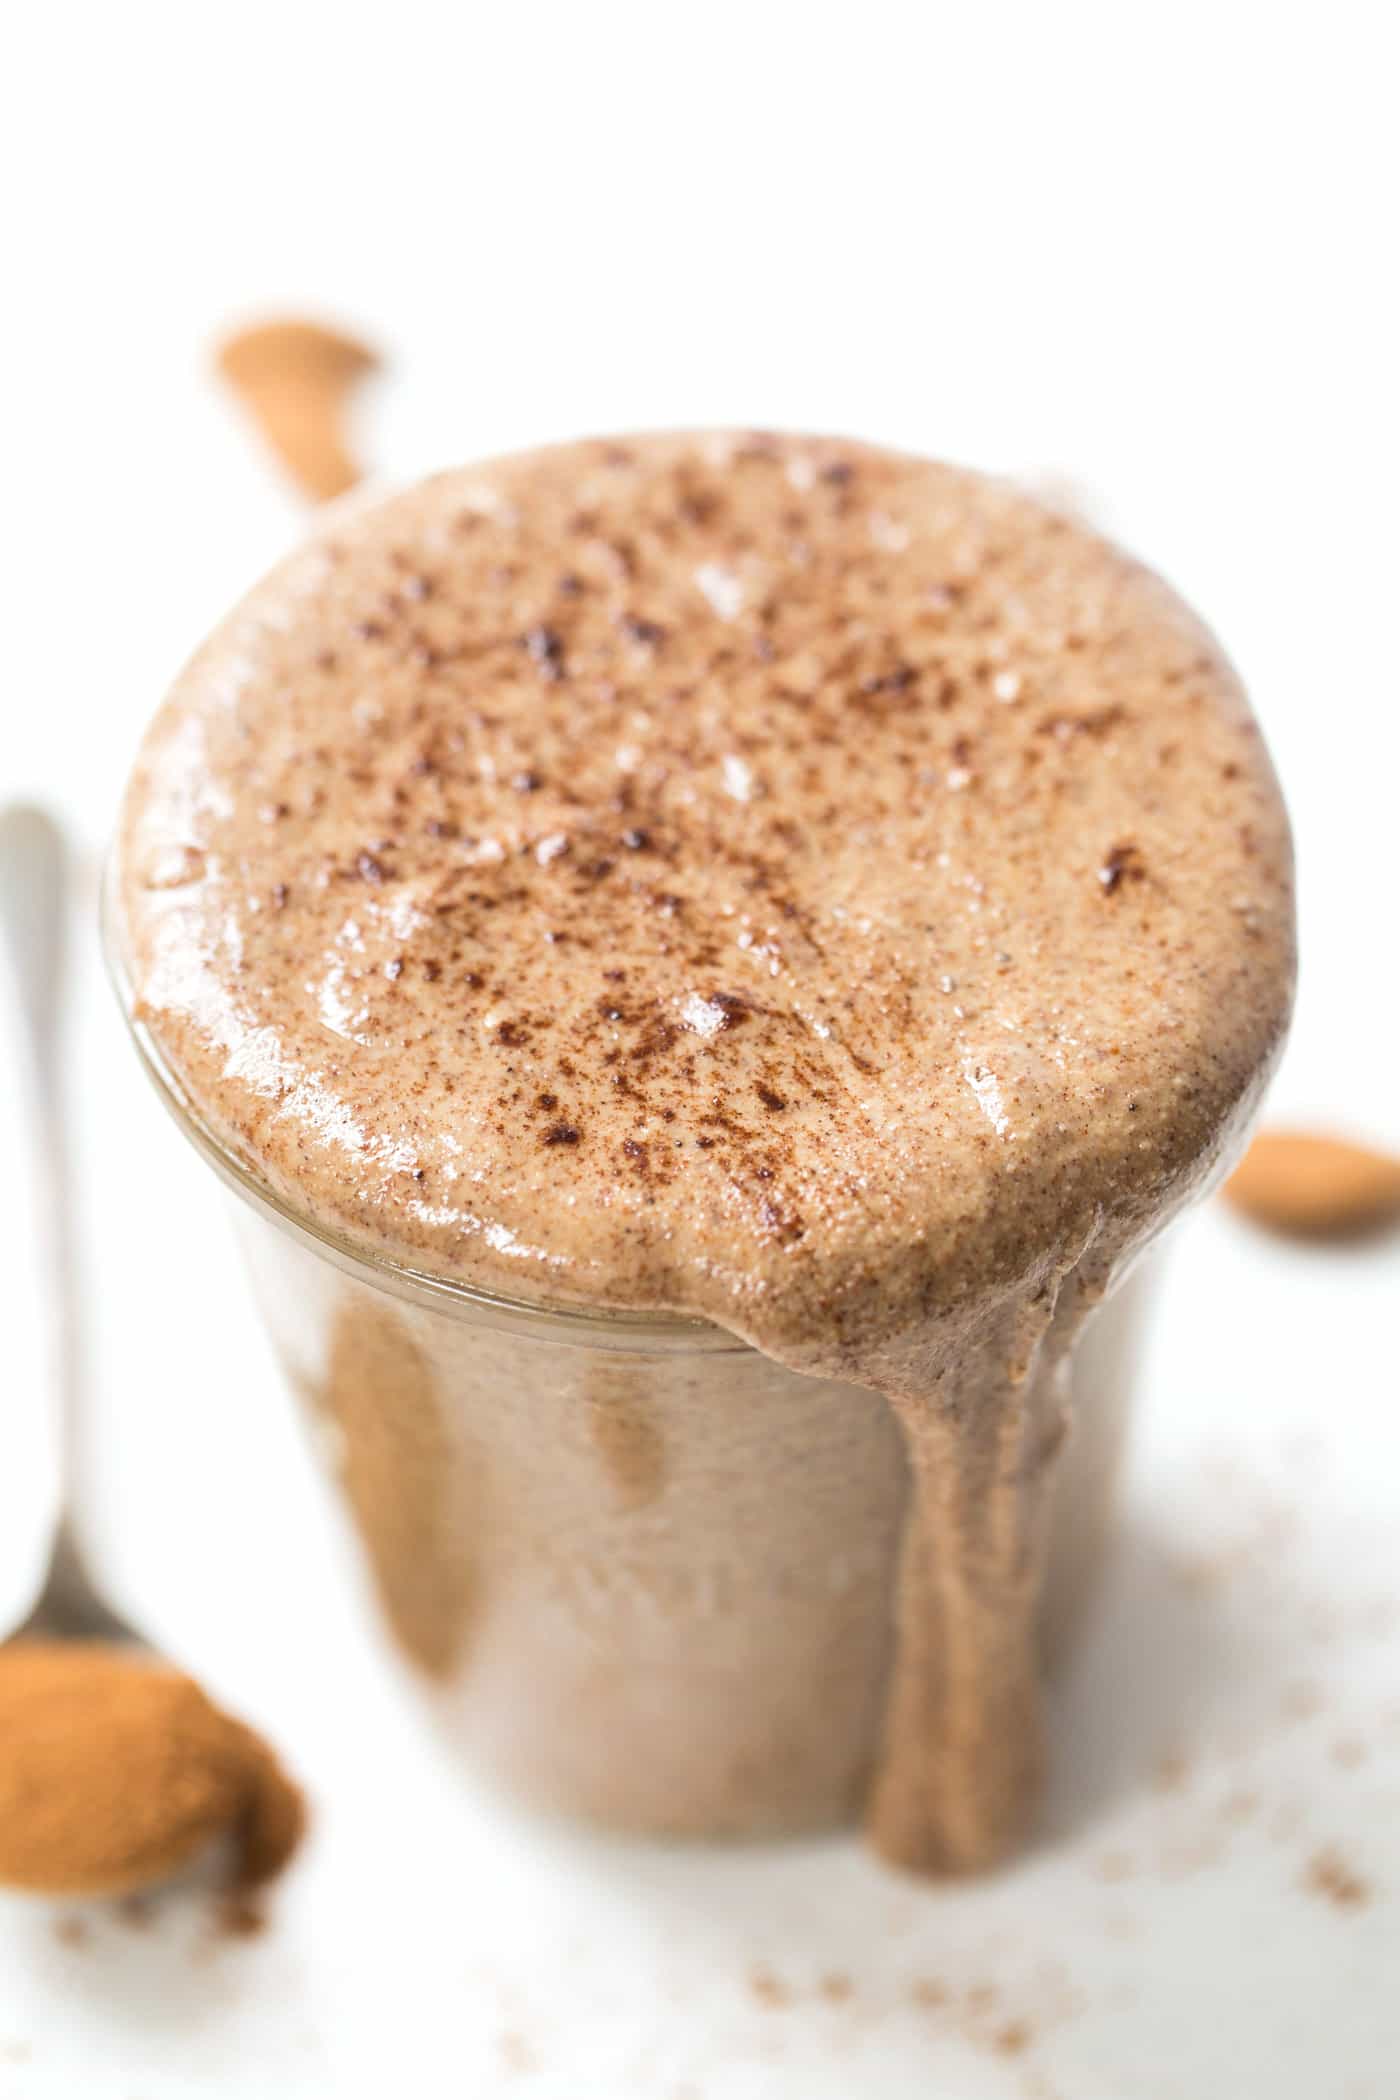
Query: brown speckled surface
[701,871]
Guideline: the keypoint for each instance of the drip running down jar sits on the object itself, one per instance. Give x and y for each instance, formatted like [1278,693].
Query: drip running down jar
[644,1575]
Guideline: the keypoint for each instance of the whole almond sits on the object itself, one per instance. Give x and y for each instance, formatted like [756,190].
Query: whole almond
[296,378]
[1315,1187]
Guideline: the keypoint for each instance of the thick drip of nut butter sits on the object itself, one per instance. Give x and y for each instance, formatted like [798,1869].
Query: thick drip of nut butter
[761,878]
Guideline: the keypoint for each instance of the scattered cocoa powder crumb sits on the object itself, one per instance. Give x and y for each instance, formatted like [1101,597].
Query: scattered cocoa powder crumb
[1114,1866]
[1348,1753]
[928,1992]
[295,378]
[768,1989]
[1320,1188]
[516,2054]
[1239,1806]
[116,1772]
[1302,1702]
[72,1931]
[1171,1773]
[836,1987]
[1329,1876]
[1013,2039]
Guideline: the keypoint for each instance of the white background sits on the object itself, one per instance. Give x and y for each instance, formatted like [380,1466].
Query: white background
[1147,251]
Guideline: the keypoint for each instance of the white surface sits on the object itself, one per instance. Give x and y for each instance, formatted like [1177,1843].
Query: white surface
[1151,251]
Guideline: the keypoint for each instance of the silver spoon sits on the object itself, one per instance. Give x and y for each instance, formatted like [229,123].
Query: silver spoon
[35,887]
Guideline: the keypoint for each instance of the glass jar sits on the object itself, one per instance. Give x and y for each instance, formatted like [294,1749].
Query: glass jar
[645,1574]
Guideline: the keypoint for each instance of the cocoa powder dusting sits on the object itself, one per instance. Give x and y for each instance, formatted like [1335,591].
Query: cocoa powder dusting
[296,380]
[116,1772]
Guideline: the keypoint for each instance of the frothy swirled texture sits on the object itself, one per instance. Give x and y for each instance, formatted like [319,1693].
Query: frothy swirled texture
[765,878]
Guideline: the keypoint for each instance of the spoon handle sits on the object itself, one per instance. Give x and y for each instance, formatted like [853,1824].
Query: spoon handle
[35,886]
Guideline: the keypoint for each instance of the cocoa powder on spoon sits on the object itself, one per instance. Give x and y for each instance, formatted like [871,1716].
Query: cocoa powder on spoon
[118,1773]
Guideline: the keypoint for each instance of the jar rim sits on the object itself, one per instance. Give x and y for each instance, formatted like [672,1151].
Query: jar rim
[618,1328]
